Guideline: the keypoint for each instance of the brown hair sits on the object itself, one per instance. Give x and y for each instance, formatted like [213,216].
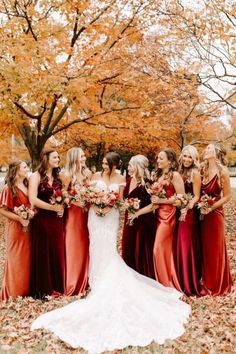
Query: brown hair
[10,178]
[172,158]
[113,159]
[43,166]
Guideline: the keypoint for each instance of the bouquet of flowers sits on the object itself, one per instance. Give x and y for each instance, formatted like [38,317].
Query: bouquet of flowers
[156,189]
[205,202]
[181,201]
[102,199]
[79,194]
[131,205]
[60,196]
[25,212]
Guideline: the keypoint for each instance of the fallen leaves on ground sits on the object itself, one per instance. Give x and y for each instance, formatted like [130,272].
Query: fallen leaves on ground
[210,329]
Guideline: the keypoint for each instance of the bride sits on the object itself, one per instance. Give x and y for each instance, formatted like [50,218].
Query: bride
[124,307]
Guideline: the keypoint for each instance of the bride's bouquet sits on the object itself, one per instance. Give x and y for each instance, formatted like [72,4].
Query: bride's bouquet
[131,205]
[102,199]
[26,213]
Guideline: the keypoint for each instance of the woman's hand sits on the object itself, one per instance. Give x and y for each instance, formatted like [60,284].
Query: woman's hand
[59,209]
[131,217]
[205,210]
[24,222]
[155,199]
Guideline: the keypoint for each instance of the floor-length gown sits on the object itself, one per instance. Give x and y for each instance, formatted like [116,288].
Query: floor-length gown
[77,250]
[163,247]
[216,275]
[124,307]
[48,247]
[138,238]
[16,279]
[187,251]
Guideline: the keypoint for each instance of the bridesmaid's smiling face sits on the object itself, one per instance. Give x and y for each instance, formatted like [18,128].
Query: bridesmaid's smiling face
[23,170]
[162,160]
[187,159]
[53,159]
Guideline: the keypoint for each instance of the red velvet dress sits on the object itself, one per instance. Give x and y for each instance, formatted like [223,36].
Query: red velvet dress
[163,247]
[77,250]
[138,239]
[215,268]
[188,251]
[48,248]
[16,279]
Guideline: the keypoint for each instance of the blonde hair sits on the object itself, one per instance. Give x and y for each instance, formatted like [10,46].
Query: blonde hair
[140,163]
[194,155]
[73,165]
[221,161]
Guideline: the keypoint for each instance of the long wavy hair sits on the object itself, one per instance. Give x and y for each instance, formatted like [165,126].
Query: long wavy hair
[43,166]
[140,164]
[113,159]
[11,176]
[221,161]
[173,163]
[73,165]
[188,171]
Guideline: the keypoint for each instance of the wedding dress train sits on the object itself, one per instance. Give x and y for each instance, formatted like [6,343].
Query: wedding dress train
[124,307]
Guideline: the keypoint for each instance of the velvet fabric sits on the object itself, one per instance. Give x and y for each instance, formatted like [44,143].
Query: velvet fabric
[48,248]
[138,239]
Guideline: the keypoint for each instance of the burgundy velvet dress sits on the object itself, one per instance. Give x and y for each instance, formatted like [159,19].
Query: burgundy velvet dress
[138,239]
[77,250]
[16,279]
[188,251]
[216,275]
[48,247]
[164,242]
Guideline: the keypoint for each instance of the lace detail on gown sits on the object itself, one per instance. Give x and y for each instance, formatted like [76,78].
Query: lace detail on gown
[124,307]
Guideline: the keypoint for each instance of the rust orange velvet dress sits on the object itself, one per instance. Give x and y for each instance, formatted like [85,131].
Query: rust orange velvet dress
[163,247]
[138,239]
[77,250]
[188,251]
[16,278]
[216,275]
[48,247]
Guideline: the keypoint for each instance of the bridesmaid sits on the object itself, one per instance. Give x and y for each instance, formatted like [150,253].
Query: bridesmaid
[188,260]
[17,265]
[138,238]
[48,248]
[76,230]
[215,183]
[172,183]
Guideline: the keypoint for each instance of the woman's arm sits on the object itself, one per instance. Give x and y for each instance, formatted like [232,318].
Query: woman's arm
[12,216]
[33,195]
[226,193]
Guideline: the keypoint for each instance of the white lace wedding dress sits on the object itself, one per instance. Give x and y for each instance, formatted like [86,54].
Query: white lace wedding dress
[123,308]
